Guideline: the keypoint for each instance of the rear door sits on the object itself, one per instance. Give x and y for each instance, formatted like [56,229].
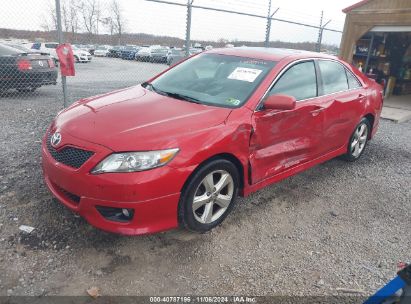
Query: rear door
[344,102]
[284,139]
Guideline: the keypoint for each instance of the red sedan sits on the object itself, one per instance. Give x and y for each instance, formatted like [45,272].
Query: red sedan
[178,149]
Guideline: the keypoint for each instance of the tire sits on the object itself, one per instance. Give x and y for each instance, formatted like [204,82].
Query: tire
[214,202]
[358,141]
[76,59]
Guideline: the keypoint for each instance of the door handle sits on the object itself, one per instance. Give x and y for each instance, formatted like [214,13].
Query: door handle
[317,111]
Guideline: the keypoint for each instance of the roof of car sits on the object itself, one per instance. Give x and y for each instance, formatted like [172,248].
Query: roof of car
[275,54]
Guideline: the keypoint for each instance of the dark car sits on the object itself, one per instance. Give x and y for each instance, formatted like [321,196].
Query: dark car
[25,70]
[129,52]
[115,51]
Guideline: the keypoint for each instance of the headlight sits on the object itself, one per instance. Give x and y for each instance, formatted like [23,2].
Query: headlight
[135,161]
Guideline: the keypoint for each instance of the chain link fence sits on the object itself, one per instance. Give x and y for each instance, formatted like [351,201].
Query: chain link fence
[120,43]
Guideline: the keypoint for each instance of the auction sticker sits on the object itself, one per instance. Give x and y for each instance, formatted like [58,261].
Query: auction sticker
[245,74]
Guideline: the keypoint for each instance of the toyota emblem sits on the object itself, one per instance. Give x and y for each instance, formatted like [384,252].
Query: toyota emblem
[40,63]
[55,139]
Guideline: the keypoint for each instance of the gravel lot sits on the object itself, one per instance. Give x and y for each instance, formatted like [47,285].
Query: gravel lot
[338,225]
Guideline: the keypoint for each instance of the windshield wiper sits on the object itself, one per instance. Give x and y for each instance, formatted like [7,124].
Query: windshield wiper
[150,87]
[183,97]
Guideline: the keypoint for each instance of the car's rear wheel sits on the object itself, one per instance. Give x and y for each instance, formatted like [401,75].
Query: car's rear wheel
[209,196]
[358,140]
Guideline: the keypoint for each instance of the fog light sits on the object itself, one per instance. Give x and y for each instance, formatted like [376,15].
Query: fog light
[126,212]
[116,214]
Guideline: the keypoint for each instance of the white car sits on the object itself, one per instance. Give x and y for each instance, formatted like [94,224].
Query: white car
[81,55]
[44,47]
[50,48]
[101,51]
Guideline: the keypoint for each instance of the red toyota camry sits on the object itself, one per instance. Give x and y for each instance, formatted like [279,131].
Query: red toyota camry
[178,149]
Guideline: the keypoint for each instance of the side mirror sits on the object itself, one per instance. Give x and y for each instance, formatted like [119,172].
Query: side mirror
[279,102]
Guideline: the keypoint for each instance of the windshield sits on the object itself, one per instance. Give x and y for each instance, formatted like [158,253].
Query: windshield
[130,48]
[101,48]
[220,80]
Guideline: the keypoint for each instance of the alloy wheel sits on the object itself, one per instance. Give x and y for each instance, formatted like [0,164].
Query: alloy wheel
[359,140]
[213,196]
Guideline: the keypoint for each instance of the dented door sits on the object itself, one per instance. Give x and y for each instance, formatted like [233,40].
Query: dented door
[284,139]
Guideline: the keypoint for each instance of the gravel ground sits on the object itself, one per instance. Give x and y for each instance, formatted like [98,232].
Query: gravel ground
[337,226]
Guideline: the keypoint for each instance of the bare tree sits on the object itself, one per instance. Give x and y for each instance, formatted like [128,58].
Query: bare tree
[117,18]
[69,18]
[90,14]
[49,22]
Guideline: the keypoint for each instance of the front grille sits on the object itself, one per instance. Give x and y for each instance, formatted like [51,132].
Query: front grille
[70,156]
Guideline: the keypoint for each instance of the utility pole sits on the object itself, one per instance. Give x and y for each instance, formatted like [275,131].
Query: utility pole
[188,28]
[268,28]
[60,40]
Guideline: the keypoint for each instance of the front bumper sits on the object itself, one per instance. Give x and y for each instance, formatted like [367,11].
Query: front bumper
[153,194]
[85,58]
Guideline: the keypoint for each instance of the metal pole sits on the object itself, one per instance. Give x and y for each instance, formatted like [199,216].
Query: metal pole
[60,40]
[268,28]
[320,33]
[188,29]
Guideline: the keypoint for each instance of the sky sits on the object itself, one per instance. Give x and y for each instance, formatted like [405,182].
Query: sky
[162,19]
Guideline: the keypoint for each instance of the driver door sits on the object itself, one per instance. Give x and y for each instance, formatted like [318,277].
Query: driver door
[283,139]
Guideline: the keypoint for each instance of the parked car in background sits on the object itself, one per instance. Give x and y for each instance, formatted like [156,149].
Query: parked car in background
[129,52]
[178,149]
[101,51]
[90,48]
[81,55]
[45,47]
[115,51]
[159,55]
[25,70]
[195,51]
[144,54]
[175,55]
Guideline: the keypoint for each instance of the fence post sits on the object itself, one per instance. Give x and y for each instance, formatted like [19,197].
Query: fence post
[321,31]
[188,28]
[268,28]
[60,40]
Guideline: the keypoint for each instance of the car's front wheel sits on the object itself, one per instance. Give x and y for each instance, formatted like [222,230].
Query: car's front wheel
[358,140]
[209,196]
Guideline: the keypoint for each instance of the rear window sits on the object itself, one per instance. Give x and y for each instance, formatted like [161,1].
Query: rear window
[51,45]
[333,77]
[7,51]
[353,82]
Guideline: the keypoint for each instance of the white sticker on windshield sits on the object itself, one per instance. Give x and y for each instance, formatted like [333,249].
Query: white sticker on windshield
[245,74]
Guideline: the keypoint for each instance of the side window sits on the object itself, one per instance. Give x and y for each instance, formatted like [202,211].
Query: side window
[333,77]
[51,45]
[299,81]
[353,82]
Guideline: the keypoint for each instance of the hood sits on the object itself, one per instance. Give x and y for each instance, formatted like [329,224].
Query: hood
[136,119]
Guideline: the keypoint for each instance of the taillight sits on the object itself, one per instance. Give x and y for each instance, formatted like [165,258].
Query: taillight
[51,63]
[24,65]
